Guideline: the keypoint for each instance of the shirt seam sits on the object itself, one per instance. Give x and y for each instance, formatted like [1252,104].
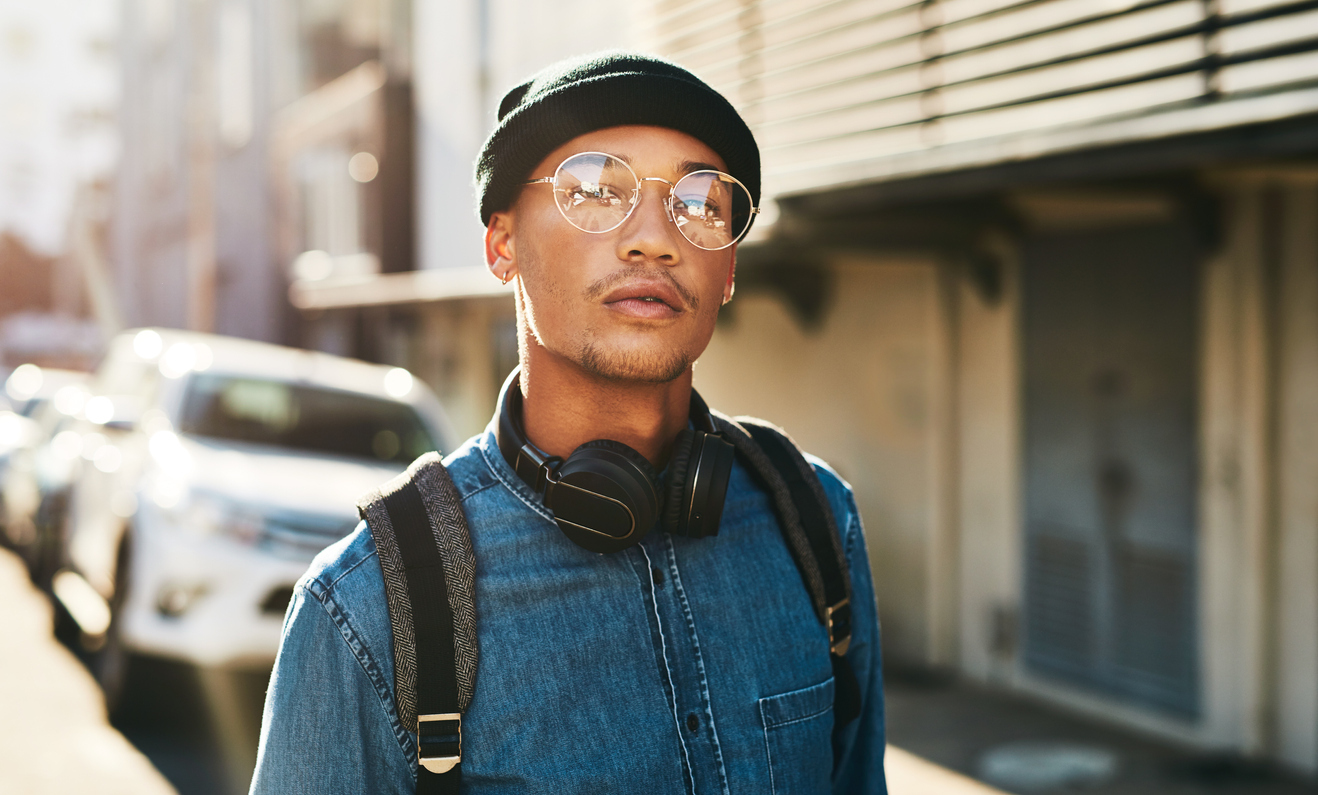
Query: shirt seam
[494,470]
[476,491]
[848,543]
[700,658]
[764,719]
[365,660]
[853,531]
[329,585]
[663,640]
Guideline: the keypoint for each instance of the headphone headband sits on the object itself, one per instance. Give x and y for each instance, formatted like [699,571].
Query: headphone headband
[606,496]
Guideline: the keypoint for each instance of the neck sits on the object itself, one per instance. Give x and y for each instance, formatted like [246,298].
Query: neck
[565,407]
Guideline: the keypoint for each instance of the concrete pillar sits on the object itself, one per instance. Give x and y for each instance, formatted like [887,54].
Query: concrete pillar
[989,474]
[1296,488]
[1234,476]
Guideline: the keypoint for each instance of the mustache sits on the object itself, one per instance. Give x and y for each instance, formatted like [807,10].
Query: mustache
[604,286]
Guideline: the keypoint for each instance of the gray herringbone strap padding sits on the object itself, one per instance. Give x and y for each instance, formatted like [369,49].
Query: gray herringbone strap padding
[449,526]
[817,488]
[782,500]
[400,608]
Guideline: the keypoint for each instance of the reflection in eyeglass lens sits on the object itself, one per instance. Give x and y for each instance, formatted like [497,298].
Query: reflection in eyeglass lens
[595,191]
[704,208]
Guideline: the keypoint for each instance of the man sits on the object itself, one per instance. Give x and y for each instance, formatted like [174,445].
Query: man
[614,191]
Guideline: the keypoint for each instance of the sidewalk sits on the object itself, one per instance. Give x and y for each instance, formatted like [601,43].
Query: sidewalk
[54,735]
[961,727]
[909,774]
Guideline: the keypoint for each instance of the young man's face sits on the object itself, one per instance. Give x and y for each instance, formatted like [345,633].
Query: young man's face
[637,303]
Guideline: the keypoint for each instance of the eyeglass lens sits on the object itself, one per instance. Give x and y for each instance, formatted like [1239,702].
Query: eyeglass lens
[596,192]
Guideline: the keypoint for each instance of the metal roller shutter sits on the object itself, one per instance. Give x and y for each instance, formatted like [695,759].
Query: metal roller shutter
[845,91]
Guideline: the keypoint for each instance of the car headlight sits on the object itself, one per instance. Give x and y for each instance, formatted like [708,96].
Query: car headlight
[204,516]
[207,515]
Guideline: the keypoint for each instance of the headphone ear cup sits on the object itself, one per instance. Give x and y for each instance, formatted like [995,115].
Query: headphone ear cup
[695,501]
[618,448]
[606,497]
[678,466]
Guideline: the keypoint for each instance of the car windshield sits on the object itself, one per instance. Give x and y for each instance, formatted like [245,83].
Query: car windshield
[303,417]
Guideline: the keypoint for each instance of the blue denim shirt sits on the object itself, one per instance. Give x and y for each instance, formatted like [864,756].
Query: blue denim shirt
[677,666]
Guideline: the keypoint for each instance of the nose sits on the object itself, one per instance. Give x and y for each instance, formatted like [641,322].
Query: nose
[649,235]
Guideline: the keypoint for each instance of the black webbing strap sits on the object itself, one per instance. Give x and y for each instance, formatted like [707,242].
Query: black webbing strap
[824,544]
[438,722]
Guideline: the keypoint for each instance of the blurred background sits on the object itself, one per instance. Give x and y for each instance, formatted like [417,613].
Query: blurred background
[1038,277]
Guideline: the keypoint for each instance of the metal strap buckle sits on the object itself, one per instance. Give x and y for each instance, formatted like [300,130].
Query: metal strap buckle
[437,736]
[838,620]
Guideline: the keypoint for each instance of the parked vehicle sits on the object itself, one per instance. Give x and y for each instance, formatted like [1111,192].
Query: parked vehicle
[35,471]
[29,387]
[16,433]
[218,469]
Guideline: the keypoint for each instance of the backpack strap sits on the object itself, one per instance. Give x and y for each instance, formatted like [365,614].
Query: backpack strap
[810,531]
[429,571]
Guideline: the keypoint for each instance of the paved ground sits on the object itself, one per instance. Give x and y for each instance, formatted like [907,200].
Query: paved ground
[909,774]
[954,725]
[54,737]
[199,728]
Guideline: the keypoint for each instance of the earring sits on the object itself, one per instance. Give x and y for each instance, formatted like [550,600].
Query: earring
[504,277]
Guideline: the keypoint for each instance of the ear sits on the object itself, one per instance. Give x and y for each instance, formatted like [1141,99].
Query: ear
[729,288]
[499,249]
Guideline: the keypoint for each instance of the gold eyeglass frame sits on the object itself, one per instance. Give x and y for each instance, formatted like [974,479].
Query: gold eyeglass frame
[636,198]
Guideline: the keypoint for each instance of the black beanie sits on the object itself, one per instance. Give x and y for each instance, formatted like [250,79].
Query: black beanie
[609,89]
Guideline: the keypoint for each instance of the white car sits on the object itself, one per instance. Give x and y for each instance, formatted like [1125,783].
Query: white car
[34,480]
[216,469]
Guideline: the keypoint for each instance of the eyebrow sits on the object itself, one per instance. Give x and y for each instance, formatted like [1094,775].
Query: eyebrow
[689,166]
[682,166]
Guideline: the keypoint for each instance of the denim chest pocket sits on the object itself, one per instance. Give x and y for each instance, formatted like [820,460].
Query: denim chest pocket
[798,737]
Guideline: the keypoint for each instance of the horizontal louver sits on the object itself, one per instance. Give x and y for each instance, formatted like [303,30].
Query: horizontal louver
[847,90]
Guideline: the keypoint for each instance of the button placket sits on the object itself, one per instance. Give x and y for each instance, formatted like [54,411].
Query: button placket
[685,664]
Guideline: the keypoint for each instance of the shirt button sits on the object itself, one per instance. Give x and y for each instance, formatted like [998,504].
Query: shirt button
[692,722]
[658,575]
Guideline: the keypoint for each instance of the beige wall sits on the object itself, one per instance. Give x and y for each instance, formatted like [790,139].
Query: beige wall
[863,392]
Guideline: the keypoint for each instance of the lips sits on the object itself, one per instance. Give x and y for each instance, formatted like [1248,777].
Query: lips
[649,299]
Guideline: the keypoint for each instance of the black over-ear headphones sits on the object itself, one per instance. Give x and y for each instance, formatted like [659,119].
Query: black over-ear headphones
[605,496]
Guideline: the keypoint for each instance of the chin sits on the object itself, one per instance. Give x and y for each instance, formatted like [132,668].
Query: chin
[647,365]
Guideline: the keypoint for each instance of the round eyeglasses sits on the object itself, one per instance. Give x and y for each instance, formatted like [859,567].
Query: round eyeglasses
[596,192]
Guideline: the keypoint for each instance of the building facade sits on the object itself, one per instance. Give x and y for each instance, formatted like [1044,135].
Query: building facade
[59,90]
[240,122]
